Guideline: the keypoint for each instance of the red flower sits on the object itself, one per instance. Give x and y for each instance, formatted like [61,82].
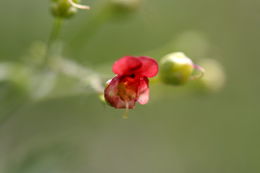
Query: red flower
[131,83]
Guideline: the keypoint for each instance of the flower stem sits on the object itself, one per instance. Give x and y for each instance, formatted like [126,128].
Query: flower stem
[56,30]
[54,36]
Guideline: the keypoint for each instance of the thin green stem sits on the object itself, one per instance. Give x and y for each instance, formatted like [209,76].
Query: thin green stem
[56,30]
[54,36]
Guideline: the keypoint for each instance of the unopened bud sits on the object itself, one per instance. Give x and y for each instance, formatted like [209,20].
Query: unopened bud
[215,78]
[125,6]
[176,69]
[63,8]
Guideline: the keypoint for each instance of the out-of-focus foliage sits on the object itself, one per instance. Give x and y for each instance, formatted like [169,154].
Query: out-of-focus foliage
[181,130]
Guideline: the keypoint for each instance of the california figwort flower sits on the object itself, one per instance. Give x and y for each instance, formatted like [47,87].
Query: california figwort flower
[131,84]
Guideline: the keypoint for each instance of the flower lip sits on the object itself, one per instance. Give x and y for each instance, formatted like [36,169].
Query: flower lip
[137,66]
[149,66]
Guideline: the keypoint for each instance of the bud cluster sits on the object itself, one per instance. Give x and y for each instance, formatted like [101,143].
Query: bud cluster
[66,8]
[63,9]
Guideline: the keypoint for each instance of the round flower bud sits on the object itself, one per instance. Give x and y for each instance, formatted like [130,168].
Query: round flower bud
[176,69]
[63,9]
[214,79]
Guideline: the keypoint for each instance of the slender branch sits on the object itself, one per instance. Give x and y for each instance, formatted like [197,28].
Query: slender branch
[82,74]
[54,36]
[56,30]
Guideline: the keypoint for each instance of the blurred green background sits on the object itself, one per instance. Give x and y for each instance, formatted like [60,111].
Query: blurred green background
[180,130]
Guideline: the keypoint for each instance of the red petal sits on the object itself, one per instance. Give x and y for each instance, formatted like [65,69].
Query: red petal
[149,67]
[126,65]
[143,91]
[112,96]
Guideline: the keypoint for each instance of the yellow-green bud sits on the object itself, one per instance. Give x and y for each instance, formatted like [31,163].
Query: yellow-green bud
[214,78]
[125,6]
[63,8]
[175,69]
